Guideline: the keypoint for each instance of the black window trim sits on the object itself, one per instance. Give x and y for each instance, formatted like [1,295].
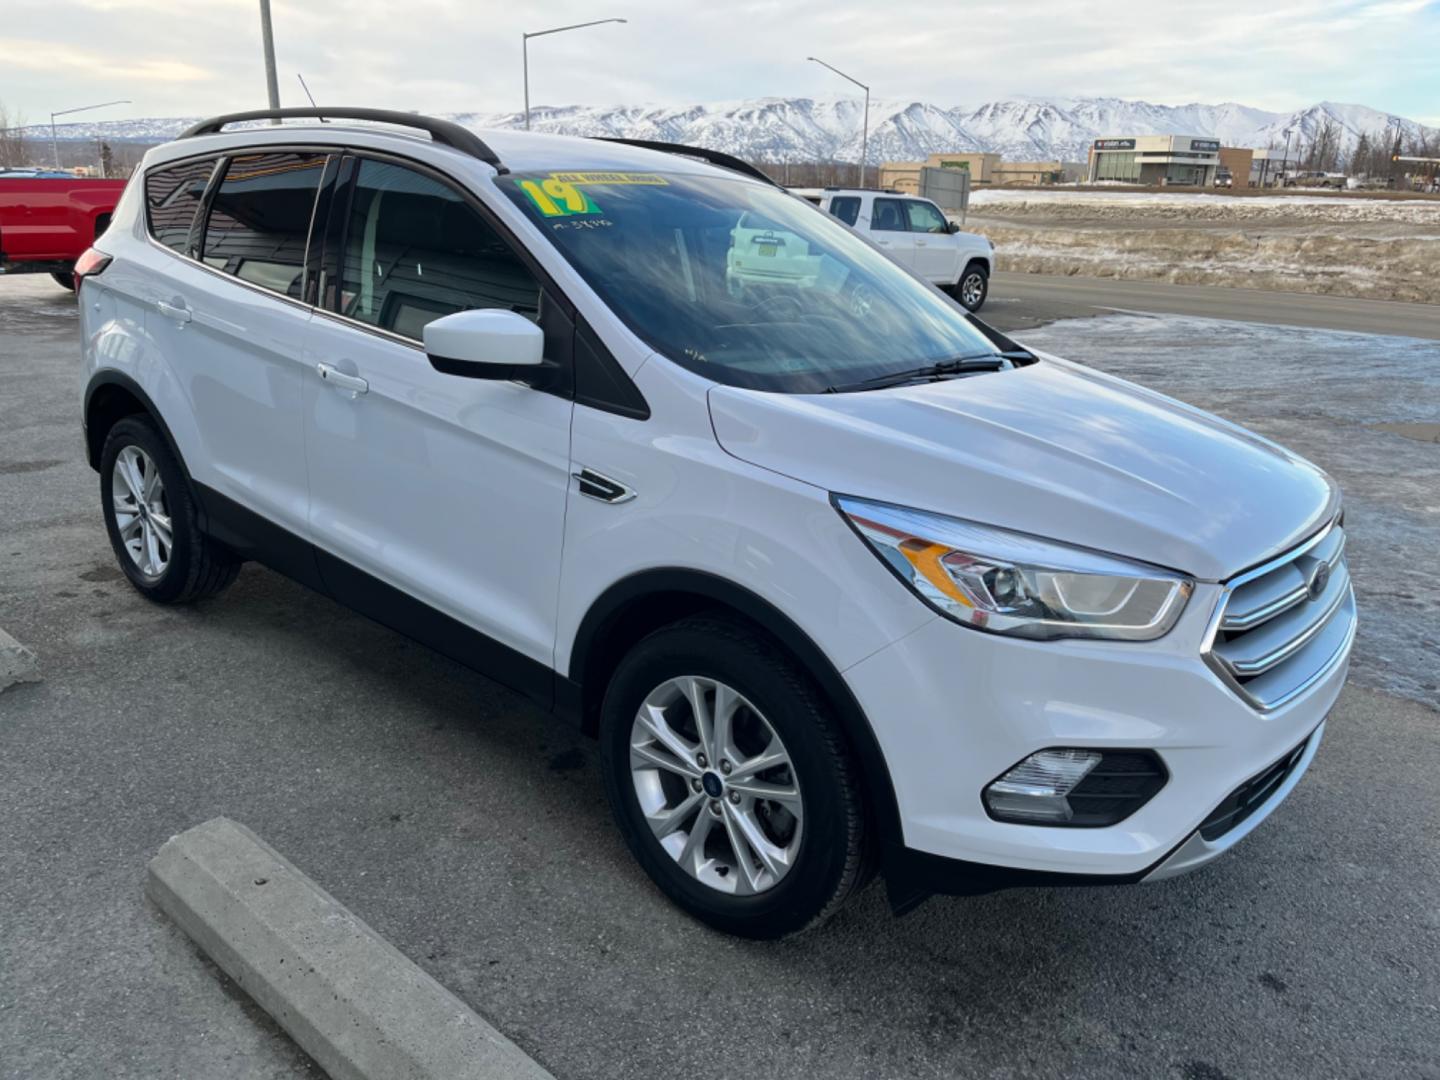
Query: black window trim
[202,212]
[326,259]
[334,240]
[944,221]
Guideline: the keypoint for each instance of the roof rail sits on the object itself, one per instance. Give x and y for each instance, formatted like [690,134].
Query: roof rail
[714,157]
[444,132]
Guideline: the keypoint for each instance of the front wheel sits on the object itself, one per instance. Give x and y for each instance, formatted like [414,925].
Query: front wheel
[729,780]
[972,288]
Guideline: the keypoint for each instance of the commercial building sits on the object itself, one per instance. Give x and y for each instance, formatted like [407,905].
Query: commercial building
[983,169]
[1239,161]
[1155,160]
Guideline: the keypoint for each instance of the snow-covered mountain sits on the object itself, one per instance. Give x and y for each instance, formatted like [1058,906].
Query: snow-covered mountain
[808,129]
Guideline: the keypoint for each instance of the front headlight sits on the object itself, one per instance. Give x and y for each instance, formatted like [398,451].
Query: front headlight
[1012,583]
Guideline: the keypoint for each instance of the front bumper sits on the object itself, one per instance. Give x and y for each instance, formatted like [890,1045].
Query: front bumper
[952,708]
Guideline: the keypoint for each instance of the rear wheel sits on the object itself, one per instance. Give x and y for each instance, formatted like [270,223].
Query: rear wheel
[973,287]
[729,780]
[153,520]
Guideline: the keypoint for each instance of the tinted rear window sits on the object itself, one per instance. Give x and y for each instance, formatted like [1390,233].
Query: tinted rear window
[260,219]
[171,198]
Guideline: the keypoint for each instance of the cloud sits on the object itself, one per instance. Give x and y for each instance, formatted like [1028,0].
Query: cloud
[183,57]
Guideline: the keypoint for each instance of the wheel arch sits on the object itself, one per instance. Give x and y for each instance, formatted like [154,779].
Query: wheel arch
[110,396]
[642,603]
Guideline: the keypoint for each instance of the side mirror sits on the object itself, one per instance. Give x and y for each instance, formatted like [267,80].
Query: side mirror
[952,226]
[488,343]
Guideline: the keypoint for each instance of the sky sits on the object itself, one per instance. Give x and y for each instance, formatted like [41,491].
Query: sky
[192,57]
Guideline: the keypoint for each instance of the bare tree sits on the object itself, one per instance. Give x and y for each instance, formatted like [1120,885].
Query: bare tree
[1324,155]
[13,153]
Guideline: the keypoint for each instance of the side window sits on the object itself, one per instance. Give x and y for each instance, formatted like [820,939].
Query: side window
[171,198]
[887,215]
[846,208]
[260,219]
[925,217]
[415,250]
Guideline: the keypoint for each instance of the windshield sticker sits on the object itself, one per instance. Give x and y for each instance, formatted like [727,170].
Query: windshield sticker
[610,179]
[556,198]
[559,194]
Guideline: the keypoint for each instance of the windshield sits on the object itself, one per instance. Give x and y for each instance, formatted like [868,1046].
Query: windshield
[745,284]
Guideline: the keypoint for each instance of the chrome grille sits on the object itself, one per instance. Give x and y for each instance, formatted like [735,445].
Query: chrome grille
[1279,628]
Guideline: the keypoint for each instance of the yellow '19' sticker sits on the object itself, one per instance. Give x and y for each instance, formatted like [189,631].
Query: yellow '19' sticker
[559,194]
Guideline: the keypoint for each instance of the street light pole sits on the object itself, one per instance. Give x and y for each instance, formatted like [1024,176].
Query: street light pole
[1285,161]
[267,42]
[525,52]
[55,142]
[865,131]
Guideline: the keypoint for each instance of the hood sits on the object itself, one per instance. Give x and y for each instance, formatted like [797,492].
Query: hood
[1053,449]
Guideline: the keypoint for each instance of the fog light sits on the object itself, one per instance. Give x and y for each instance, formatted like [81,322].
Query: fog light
[1035,789]
[1076,788]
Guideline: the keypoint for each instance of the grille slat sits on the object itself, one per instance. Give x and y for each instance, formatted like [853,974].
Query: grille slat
[1270,638]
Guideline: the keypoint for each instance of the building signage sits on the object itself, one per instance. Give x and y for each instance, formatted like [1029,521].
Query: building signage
[1114,144]
[1213,145]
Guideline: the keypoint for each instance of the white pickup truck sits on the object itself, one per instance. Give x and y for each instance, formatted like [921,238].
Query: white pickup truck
[915,233]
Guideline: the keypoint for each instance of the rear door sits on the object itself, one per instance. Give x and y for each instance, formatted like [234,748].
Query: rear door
[889,228]
[450,490]
[936,247]
[226,306]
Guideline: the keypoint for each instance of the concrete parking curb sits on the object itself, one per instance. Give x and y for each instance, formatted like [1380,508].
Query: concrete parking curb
[17,663]
[351,1000]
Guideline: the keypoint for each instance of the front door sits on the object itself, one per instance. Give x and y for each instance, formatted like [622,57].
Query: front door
[451,490]
[935,244]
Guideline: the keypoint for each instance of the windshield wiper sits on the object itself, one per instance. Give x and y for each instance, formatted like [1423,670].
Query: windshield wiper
[960,365]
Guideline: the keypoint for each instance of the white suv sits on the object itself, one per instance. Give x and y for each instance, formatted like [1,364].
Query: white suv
[916,234]
[843,580]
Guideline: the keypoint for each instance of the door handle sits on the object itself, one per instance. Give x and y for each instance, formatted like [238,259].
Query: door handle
[919,243]
[338,378]
[179,312]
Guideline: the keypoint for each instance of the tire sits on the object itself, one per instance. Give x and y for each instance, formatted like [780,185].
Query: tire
[64,278]
[829,843]
[973,287]
[191,566]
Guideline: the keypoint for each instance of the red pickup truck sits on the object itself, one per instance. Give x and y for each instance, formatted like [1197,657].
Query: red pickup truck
[47,219]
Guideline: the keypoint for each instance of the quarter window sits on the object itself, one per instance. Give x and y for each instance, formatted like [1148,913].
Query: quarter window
[846,208]
[924,217]
[887,215]
[171,198]
[415,250]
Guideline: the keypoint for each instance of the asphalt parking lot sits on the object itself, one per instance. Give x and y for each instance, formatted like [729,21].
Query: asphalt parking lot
[472,831]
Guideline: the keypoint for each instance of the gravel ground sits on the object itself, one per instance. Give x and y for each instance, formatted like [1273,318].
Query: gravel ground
[472,832]
[1379,248]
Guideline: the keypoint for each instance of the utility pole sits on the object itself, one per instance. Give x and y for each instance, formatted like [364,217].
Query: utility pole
[1285,161]
[865,131]
[267,40]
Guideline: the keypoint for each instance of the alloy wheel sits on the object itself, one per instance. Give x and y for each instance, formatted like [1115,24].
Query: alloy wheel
[142,515]
[716,785]
[972,289]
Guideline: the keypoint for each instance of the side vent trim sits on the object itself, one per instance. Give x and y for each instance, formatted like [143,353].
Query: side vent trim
[602,488]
